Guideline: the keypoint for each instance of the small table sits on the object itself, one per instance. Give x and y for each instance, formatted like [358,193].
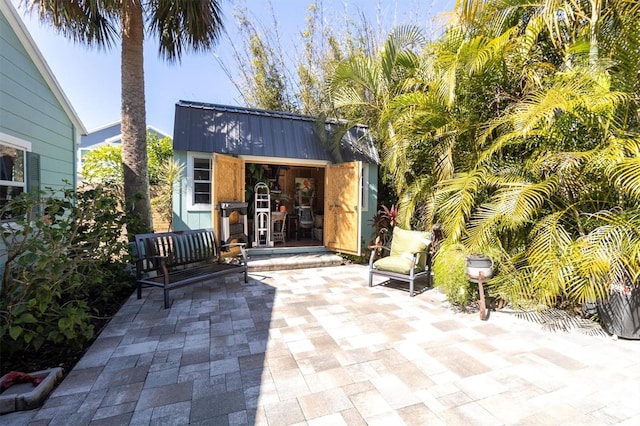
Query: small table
[292,225]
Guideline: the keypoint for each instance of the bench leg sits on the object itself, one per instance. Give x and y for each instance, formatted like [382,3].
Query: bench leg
[246,280]
[139,291]
[411,287]
[370,279]
[166,298]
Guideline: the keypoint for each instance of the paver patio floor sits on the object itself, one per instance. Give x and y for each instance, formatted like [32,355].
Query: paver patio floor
[319,347]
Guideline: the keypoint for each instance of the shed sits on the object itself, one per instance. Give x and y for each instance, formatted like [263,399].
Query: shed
[226,149]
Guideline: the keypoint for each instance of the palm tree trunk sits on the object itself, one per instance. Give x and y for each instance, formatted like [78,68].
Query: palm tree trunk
[134,137]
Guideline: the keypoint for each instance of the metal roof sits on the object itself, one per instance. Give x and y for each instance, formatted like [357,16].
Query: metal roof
[232,130]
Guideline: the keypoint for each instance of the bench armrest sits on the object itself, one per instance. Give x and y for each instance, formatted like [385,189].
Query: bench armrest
[162,259]
[158,262]
[243,252]
[234,245]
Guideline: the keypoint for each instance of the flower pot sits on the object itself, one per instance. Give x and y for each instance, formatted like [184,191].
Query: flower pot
[25,396]
[620,313]
[478,265]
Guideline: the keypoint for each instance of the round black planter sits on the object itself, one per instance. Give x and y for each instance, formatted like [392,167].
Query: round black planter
[620,314]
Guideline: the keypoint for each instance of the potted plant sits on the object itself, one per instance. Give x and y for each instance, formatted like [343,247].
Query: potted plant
[479,269]
[620,312]
[461,274]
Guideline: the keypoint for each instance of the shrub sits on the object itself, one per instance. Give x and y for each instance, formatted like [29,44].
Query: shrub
[63,254]
[449,274]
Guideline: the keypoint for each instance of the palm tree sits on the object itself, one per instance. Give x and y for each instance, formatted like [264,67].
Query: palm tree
[527,116]
[555,183]
[363,84]
[194,24]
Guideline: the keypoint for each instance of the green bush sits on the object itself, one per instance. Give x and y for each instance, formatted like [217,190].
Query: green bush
[449,269]
[63,255]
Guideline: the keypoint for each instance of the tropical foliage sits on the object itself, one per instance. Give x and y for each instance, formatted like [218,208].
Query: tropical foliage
[169,174]
[282,75]
[104,164]
[62,257]
[517,128]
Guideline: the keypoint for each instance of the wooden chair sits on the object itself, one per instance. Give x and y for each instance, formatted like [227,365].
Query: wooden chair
[278,227]
[409,258]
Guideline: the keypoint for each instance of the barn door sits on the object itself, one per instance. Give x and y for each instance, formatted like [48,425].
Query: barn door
[227,184]
[342,207]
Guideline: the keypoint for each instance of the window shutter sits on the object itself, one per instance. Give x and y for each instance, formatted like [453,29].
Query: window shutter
[33,172]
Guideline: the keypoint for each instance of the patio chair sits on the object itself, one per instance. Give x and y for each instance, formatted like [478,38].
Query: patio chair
[305,211]
[409,258]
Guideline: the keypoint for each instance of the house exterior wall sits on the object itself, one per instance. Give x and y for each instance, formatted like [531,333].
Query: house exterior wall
[184,217]
[30,111]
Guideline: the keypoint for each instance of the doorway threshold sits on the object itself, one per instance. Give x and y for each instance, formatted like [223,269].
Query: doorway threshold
[283,260]
[263,251]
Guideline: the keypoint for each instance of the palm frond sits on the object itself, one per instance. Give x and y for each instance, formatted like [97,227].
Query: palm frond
[92,22]
[627,175]
[488,50]
[455,201]
[558,320]
[182,25]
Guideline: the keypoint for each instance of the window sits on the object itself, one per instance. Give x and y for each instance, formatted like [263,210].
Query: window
[199,189]
[13,158]
[83,154]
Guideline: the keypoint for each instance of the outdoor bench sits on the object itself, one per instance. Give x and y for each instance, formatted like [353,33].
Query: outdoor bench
[175,259]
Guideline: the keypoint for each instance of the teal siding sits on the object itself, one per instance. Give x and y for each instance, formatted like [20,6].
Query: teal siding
[30,111]
[184,219]
[366,218]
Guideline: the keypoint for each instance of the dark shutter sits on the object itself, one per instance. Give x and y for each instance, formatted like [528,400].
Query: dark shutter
[33,172]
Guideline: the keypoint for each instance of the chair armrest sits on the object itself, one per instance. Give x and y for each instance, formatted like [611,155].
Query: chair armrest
[374,250]
[414,255]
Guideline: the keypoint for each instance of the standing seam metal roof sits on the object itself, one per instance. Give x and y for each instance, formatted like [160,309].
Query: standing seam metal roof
[233,130]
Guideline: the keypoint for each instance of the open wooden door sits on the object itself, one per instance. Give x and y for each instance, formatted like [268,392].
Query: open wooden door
[227,184]
[342,207]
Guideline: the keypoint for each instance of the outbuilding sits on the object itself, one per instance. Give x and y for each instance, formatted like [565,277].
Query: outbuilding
[226,150]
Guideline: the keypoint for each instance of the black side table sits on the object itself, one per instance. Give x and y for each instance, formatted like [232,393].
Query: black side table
[292,225]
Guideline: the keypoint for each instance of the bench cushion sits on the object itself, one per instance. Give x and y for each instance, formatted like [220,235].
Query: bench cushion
[404,243]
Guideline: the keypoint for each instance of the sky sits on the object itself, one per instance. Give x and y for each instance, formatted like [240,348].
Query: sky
[90,78]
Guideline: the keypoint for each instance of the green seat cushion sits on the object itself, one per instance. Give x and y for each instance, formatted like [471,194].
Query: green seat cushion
[404,243]
[399,264]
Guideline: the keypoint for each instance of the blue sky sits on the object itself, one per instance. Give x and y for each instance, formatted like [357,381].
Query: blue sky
[91,78]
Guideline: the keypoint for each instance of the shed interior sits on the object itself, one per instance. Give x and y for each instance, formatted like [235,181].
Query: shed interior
[296,190]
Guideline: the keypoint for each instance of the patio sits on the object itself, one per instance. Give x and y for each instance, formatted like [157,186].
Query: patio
[319,347]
